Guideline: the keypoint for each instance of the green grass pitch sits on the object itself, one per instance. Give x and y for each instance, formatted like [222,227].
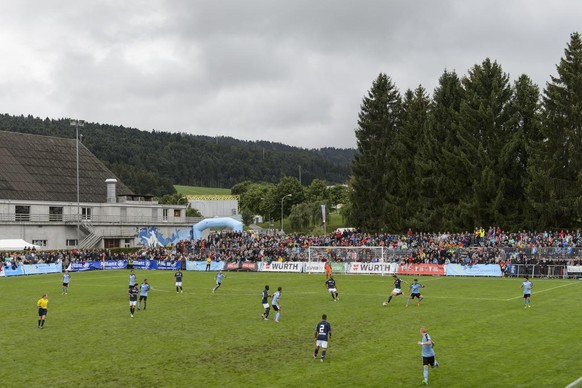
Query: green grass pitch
[484,337]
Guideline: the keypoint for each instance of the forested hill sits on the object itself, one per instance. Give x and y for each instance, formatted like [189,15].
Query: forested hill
[151,162]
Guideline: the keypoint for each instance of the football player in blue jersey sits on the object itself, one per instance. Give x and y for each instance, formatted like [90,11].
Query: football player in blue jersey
[415,287]
[219,277]
[275,303]
[527,286]
[143,294]
[322,336]
[428,355]
[66,281]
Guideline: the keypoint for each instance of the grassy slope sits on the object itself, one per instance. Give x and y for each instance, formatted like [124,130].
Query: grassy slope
[193,190]
[484,337]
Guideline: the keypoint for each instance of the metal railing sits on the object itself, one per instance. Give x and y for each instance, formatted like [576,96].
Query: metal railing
[94,219]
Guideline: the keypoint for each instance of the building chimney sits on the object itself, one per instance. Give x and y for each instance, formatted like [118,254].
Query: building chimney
[111,194]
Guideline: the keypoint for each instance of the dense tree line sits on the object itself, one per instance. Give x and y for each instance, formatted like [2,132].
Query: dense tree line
[482,151]
[151,162]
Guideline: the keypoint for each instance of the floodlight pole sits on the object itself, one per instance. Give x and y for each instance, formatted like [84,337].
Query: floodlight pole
[282,200]
[77,124]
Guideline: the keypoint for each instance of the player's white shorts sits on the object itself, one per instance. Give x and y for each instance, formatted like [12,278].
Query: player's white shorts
[397,291]
[132,303]
[323,344]
[178,284]
[332,289]
[265,305]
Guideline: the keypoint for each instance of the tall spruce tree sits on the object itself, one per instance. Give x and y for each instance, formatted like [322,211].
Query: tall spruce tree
[486,128]
[526,104]
[374,184]
[555,187]
[416,107]
[439,179]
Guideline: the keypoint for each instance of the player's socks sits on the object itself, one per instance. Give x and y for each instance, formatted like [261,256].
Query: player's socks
[425,374]
[42,323]
[277,317]
[39,323]
[315,352]
[420,300]
[407,301]
[322,355]
[266,314]
[389,298]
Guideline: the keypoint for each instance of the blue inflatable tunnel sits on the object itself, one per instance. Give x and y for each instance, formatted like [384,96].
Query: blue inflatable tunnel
[221,222]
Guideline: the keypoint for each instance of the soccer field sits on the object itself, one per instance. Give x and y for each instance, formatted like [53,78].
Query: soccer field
[484,337]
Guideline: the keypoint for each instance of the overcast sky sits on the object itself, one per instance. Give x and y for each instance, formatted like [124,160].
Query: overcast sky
[293,72]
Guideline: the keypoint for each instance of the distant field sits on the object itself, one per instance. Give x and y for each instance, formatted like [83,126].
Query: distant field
[484,337]
[193,190]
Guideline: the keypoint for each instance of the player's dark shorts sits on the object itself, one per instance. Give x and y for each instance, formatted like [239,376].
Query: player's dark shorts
[417,295]
[143,297]
[526,295]
[275,307]
[428,360]
[65,284]
[42,311]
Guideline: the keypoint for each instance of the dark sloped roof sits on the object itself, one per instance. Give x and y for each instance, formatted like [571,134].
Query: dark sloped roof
[43,168]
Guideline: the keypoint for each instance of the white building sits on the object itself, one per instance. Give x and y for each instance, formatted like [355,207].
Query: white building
[40,201]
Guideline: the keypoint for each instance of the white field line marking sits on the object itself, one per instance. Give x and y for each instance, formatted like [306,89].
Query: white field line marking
[462,298]
[575,383]
[539,292]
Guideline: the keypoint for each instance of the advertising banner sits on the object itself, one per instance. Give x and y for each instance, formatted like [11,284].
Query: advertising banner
[168,265]
[144,264]
[81,266]
[317,267]
[422,269]
[244,266]
[358,268]
[9,271]
[201,266]
[35,269]
[338,267]
[283,266]
[574,268]
[113,264]
[473,270]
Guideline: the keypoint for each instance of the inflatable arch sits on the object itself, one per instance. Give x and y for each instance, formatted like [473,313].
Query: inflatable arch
[221,222]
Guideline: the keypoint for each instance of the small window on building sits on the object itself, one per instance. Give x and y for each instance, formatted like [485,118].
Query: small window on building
[127,243]
[40,243]
[55,213]
[165,215]
[177,213]
[71,243]
[86,213]
[111,243]
[22,213]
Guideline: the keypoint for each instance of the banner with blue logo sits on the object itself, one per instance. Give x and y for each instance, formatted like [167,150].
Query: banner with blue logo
[473,270]
[113,264]
[169,265]
[82,266]
[201,266]
[13,271]
[144,264]
[35,269]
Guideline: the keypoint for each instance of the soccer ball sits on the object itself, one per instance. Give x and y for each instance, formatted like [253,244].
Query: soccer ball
[384,303]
